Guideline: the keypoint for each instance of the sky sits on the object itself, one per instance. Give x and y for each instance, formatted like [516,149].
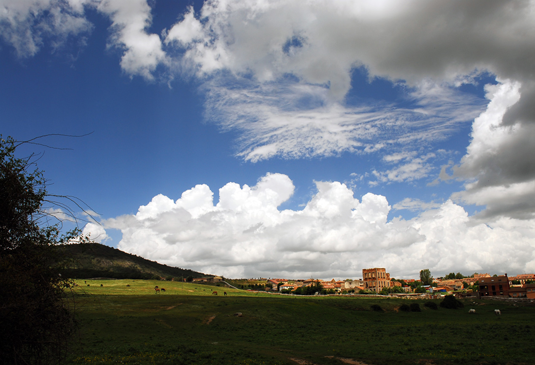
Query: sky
[289,139]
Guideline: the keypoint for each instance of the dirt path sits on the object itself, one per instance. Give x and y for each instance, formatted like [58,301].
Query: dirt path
[209,319]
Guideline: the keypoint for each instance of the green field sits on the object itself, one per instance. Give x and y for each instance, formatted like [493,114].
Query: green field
[189,325]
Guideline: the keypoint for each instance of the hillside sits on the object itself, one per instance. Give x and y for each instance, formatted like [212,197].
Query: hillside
[94,260]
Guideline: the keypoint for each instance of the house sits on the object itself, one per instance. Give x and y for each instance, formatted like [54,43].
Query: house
[522,278]
[454,284]
[530,291]
[287,286]
[517,292]
[352,284]
[494,286]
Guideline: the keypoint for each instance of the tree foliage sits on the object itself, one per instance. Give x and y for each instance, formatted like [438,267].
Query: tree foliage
[35,319]
[425,277]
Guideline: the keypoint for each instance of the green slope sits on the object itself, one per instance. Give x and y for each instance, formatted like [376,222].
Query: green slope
[93,260]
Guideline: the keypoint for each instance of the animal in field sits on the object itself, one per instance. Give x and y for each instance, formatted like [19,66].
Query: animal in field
[128,285]
[156,290]
[472,311]
[497,312]
[214,293]
[101,285]
[162,289]
[225,292]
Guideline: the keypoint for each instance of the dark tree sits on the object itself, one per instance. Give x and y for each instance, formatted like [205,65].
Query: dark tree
[450,302]
[35,319]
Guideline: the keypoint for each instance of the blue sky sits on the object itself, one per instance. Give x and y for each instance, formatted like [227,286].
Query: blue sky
[343,135]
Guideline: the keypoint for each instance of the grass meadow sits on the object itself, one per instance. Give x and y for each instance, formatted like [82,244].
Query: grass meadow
[122,324]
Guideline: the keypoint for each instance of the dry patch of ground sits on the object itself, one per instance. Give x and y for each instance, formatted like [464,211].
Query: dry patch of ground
[347,361]
[173,306]
[165,324]
[209,319]
[301,361]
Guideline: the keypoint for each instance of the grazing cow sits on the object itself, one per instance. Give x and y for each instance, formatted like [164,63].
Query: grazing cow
[101,285]
[497,312]
[225,292]
[156,290]
[163,289]
[88,284]
[214,293]
[128,285]
[472,311]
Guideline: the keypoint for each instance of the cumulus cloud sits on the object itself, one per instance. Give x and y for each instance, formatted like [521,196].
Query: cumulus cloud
[95,232]
[278,72]
[335,235]
[142,52]
[499,164]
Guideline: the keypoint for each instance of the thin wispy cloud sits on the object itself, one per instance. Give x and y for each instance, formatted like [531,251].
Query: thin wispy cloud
[293,120]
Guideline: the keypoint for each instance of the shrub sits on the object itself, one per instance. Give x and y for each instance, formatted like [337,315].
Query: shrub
[431,305]
[405,308]
[377,308]
[450,302]
[415,307]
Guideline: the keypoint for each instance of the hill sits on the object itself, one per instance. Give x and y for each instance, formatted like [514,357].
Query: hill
[92,260]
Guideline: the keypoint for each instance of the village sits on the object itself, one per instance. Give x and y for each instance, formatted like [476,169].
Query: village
[378,281]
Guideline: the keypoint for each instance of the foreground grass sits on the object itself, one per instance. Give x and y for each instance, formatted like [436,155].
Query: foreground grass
[188,325]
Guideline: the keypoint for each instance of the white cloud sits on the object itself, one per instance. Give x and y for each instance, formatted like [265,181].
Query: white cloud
[95,233]
[59,214]
[186,31]
[417,168]
[130,20]
[25,24]
[245,235]
[499,164]
[415,205]
[295,121]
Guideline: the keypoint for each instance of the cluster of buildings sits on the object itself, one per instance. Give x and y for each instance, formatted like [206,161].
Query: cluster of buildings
[520,286]
[375,279]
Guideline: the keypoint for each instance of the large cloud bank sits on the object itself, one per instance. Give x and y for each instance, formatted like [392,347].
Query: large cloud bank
[335,235]
[279,72]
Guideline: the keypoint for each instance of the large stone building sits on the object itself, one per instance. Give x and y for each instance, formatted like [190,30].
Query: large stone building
[494,286]
[376,279]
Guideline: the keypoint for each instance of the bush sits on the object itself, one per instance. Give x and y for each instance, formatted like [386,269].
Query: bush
[405,308]
[415,307]
[377,308]
[431,305]
[450,302]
